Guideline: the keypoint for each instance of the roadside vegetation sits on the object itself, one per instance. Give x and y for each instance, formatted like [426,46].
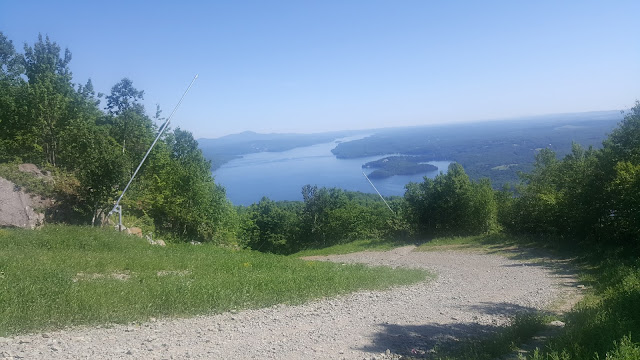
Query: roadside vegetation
[586,202]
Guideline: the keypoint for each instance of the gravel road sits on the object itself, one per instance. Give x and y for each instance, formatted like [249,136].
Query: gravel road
[473,293]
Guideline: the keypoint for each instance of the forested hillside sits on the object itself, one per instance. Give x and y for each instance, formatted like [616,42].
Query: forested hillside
[497,150]
[48,120]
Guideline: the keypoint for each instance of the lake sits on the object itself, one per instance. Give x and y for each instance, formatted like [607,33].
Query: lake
[281,175]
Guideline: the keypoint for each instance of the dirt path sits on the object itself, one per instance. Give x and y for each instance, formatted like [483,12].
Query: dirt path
[472,294]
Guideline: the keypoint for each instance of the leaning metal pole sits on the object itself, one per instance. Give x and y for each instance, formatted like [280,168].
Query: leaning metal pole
[374,188]
[117,208]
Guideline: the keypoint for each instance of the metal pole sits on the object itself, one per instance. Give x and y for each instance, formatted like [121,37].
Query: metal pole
[119,218]
[162,129]
[374,188]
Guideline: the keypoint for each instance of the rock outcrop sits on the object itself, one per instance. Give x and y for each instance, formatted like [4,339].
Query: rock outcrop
[17,207]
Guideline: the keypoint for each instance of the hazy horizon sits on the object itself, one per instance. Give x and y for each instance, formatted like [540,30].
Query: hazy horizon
[542,117]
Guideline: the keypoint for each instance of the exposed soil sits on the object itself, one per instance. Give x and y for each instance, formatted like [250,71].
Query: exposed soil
[473,294]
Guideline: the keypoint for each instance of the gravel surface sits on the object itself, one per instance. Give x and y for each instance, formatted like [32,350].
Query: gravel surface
[473,293]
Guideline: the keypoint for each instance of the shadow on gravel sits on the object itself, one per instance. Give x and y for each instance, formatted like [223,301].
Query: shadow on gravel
[557,267]
[420,340]
[502,308]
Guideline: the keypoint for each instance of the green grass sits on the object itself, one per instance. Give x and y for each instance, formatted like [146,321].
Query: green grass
[354,246]
[606,323]
[61,276]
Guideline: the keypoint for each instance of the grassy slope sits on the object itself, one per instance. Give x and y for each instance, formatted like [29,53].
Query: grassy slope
[62,275]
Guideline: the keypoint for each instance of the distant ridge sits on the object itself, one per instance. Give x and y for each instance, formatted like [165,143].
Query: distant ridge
[249,136]
[436,140]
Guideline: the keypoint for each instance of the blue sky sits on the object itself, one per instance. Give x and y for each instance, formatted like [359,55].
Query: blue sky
[310,66]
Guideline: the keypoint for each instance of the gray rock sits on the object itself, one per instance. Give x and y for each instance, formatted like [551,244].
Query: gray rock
[16,207]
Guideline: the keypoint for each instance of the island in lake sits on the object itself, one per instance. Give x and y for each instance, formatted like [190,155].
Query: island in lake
[399,165]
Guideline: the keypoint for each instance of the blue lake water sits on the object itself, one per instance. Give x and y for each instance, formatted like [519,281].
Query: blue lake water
[281,175]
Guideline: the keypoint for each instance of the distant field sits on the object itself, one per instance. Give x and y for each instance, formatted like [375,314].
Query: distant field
[62,275]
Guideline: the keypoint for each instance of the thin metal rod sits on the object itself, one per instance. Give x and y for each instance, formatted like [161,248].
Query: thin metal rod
[119,210]
[374,188]
[162,129]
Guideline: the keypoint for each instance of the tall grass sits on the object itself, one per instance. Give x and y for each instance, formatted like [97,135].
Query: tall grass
[61,275]
[606,324]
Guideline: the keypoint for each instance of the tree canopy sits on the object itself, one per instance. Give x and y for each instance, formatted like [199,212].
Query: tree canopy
[50,121]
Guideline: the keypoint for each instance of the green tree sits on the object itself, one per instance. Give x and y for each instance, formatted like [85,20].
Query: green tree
[483,216]
[618,200]
[10,63]
[624,191]
[176,189]
[130,125]
[537,208]
[451,204]
[101,170]
[318,204]
[48,114]
[47,98]
[269,227]
[44,58]
[11,87]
